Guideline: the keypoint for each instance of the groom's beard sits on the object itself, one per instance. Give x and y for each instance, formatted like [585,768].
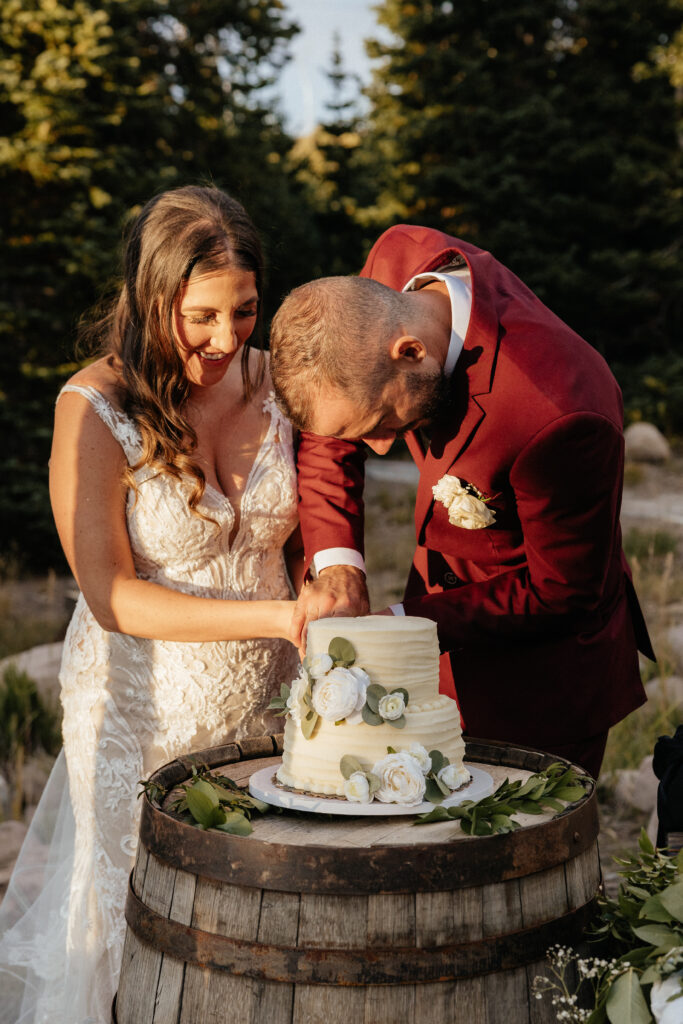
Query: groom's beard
[431,395]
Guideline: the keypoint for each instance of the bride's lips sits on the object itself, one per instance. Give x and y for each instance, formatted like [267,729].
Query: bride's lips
[213,357]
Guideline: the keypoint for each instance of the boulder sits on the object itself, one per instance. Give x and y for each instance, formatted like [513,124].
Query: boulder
[637,787]
[667,691]
[645,443]
[674,636]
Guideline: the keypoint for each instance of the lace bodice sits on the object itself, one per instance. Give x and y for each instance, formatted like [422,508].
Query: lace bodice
[132,704]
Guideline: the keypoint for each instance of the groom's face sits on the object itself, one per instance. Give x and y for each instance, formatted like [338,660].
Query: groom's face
[408,401]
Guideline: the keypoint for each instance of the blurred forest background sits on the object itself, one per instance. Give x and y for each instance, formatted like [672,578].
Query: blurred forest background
[548,131]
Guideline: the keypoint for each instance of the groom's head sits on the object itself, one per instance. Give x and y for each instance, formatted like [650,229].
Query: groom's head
[352,358]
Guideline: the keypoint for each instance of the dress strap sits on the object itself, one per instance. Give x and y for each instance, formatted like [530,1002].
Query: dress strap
[121,426]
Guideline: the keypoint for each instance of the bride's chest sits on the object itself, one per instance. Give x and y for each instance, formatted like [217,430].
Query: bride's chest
[259,510]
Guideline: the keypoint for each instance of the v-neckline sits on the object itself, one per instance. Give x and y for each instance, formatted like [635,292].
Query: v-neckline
[237,513]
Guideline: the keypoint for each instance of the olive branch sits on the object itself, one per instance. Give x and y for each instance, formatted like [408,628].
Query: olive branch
[553,789]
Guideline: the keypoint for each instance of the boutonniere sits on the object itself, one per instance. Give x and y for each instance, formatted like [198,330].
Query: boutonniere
[466,505]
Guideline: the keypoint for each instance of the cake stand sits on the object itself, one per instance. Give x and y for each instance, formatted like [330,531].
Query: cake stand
[263,786]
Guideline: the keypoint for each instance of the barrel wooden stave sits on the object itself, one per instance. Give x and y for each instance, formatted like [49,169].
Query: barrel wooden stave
[155,985]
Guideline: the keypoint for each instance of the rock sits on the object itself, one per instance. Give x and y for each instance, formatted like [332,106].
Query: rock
[637,787]
[674,636]
[667,691]
[645,443]
[42,665]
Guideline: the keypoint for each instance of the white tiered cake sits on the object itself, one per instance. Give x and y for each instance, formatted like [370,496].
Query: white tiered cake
[401,658]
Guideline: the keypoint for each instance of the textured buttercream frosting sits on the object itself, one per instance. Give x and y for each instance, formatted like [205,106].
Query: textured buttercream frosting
[395,652]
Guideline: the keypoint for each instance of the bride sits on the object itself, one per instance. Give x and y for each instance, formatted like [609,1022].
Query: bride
[173,490]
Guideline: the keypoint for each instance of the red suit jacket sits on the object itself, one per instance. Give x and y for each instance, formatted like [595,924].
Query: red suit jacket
[537,611]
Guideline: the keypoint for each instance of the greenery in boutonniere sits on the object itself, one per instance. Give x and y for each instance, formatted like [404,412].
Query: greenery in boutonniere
[639,976]
[212,801]
[551,789]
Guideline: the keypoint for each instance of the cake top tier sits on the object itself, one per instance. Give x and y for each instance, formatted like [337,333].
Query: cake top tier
[394,627]
[396,651]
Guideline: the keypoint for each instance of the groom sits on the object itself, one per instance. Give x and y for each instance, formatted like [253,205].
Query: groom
[515,424]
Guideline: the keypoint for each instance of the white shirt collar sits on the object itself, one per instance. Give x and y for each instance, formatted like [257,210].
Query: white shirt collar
[459,284]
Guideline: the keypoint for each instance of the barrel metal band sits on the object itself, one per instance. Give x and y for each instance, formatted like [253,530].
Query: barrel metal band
[354,967]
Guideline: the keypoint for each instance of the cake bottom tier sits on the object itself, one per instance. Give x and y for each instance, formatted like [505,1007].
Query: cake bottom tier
[312,766]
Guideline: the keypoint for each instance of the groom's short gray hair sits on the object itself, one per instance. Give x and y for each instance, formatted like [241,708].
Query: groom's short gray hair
[333,332]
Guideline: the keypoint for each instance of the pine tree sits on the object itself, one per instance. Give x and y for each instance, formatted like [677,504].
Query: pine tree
[102,105]
[532,130]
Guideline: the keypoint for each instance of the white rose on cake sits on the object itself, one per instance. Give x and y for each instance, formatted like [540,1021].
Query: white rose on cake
[401,778]
[296,693]
[319,665]
[338,694]
[420,754]
[363,680]
[392,706]
[453,776]
[357,788]
[465,509]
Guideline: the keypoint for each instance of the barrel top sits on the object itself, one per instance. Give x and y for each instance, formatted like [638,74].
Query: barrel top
[323,852]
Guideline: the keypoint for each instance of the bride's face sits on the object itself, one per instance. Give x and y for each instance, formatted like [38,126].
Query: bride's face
[214,315]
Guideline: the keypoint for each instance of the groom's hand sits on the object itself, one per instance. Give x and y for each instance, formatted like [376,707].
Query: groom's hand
[338,590]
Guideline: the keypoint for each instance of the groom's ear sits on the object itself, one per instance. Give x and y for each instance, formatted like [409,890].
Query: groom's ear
[407,346]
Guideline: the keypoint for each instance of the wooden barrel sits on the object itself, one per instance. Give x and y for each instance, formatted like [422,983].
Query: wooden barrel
[372,920]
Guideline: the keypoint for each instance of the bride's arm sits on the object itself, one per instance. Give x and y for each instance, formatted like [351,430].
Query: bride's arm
[88,502]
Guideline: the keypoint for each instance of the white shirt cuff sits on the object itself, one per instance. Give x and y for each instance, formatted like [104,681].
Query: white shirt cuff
[338,556]
[397,609]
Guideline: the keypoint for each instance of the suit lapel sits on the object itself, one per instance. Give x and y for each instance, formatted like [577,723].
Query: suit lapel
[472,382]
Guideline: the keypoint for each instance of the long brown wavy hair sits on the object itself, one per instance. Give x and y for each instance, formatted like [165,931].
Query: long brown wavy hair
[182,232]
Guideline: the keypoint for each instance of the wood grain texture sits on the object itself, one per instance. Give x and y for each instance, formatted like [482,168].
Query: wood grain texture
[364,925]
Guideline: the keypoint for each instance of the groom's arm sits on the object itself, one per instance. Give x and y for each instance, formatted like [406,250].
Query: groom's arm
[331,477]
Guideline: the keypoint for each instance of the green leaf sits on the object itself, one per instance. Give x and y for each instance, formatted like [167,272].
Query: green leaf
[285,692]
[200,806]
[309,723]
[374,782]
[438,761]
[438,814]
[645,843]
[625,1002]
[658,935]
[396,723]
[202,786]
[277,704]
[348,765]
[653,910]
[342,651]
[528,807]
[570,793]
[501,823]
[672,900]
[370,717]
[236,824]
[373,695]
[433,792]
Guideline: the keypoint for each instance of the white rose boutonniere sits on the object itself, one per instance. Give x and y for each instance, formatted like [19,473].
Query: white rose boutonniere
[465,504]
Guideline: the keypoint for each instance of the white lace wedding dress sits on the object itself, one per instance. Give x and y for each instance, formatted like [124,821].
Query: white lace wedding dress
[131,705]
